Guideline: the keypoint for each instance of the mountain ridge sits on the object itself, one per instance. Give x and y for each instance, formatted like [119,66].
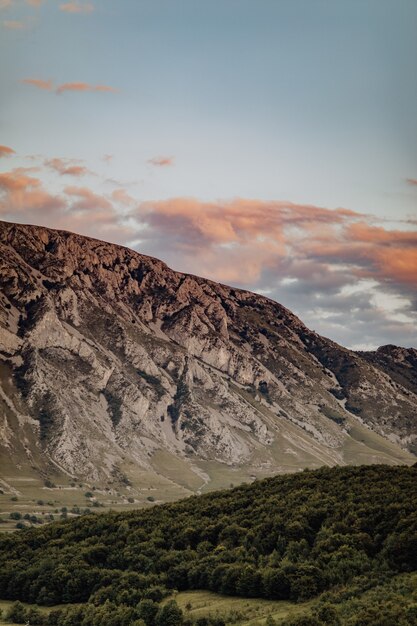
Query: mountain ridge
[167,368]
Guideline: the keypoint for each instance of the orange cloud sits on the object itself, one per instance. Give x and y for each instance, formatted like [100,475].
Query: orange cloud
[5,151]
[120,196]
[240,239]
[397,264]
[238,220]
[24,198]
[162,161]
[23,193]
[388,256]
[17,179]
[45,85]
[84,87]
[67,168]
[373,234]
[77,7]
[87,200]
[392,254]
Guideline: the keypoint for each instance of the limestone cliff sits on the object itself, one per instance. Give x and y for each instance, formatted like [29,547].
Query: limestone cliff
[107,355]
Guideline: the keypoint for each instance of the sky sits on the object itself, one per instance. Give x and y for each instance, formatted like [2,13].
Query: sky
[266,144]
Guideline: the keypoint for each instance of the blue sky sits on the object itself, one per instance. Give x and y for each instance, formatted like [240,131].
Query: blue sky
[309,102]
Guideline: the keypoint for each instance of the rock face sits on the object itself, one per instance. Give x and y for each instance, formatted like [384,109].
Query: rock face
[108,356]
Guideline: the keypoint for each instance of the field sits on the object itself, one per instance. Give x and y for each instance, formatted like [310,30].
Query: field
[236,611]
[242,612]
[24,493]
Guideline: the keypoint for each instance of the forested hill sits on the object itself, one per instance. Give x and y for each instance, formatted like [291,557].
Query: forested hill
[285,537]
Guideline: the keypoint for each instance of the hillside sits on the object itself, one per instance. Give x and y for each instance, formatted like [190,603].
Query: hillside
[117,371]
[340,532]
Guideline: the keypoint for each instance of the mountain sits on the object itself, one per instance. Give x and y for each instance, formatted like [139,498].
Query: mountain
[116,369]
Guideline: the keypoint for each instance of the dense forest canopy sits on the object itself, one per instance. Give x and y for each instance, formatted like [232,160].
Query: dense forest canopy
[288,537]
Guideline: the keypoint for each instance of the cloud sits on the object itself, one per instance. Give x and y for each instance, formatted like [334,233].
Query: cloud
[161,161]
[77,7]
[411,181]
[22,193]
[86,200]
[67,167]
[47,85]
[84,87]
[5,151]
[123,198]
[238,221]
[23,198]
[390,256]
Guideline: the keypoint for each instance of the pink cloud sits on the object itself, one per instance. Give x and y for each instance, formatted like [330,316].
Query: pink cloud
[45,85]
[65,167]
[162,161]
[238,220]
[5,151]
[240,239]
[77,7]
[18,179]
[23,193]
[84,87]
[122,197]
[388,256]
[23,197]
[86,200]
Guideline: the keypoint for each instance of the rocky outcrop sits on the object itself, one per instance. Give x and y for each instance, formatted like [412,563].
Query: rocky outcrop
[108,355]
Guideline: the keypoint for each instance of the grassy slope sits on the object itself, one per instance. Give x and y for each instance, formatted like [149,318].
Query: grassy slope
[237,611]
[240,611]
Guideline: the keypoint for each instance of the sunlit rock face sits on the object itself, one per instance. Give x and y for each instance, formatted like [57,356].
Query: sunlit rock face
[108,355]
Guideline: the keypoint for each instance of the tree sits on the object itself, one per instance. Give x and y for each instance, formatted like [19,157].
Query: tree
[169,615]
[328,614]
[17,613]
[147,610]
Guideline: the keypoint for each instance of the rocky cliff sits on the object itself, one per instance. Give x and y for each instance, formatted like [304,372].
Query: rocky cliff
[108,358]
